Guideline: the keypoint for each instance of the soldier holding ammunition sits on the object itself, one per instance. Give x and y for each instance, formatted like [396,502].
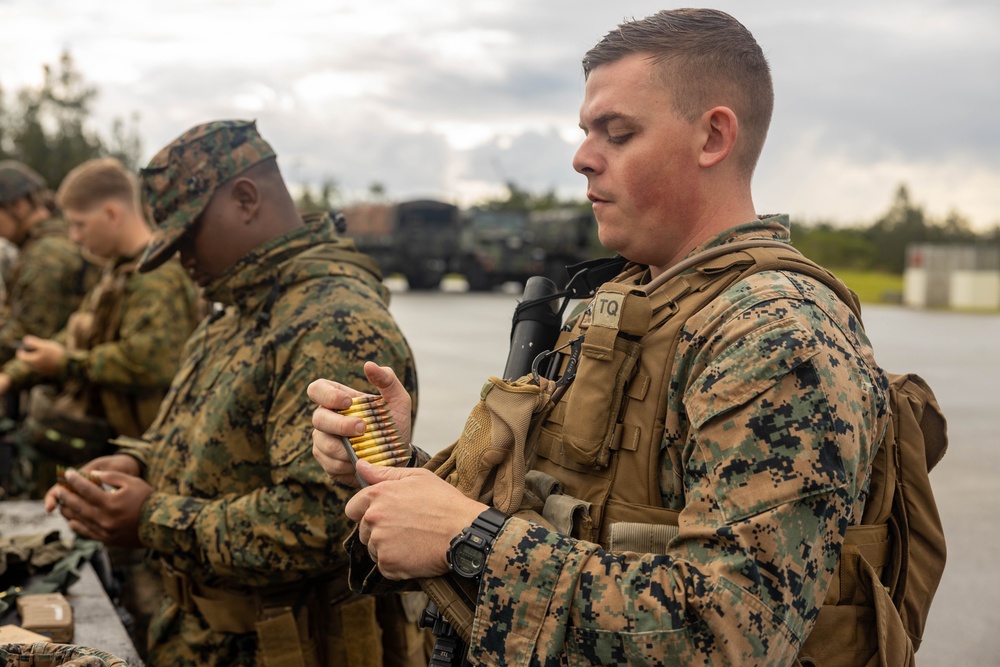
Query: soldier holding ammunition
[689,493]
[246,525]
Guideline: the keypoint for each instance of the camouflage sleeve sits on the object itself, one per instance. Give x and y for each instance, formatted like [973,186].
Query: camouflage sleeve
[296,523]
[781,414]
[157,317]
[45,293]
[19,373]
[419,458]
[137,448]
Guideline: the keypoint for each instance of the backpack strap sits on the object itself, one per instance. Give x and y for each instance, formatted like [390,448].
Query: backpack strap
[793,260]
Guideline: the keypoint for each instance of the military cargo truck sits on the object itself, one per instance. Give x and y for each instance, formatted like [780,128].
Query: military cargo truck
[513,245]
[418,239]
[425,239]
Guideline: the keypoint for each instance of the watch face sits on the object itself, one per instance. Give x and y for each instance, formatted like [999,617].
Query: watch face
[468,560]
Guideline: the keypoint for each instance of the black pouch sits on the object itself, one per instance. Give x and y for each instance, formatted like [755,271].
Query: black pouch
[58,426]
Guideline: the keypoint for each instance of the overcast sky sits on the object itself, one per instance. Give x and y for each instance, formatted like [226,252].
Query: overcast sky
[448,98]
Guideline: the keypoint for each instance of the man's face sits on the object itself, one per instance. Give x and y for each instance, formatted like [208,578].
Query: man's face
[8,225]
[214,243]
[11,220]
[640,159]
[97,229]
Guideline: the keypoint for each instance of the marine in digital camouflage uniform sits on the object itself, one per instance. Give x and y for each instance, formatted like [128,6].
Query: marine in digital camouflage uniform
[50,276]
[237,506]
[121,348]
[716,504]
[116,357]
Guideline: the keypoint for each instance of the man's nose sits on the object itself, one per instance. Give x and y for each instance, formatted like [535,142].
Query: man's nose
[584,160]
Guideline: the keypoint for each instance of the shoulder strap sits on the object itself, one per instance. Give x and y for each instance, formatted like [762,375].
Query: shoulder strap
[768,256]
[711,253]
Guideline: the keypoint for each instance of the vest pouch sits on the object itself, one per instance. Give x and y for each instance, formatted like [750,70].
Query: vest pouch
[352,634]
[57,425]
[490,458]
[619,315]
[863,628]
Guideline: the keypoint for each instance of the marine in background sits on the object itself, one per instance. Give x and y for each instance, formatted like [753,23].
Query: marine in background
[114,360]
[43,286]
[51,275]
[105,374]
[223,487]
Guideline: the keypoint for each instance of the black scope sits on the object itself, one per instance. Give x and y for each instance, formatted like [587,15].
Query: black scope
[536,326]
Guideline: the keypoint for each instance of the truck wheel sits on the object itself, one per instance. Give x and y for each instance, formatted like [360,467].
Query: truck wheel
[477,277]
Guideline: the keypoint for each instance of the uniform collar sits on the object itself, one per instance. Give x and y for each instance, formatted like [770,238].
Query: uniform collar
[770,227]
[260,276]
[51,226]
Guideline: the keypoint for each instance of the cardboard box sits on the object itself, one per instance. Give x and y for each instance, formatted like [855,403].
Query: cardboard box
[13,634]
[48,615]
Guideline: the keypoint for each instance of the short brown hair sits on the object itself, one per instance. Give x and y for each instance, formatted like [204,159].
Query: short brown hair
[96,181]
[709,59]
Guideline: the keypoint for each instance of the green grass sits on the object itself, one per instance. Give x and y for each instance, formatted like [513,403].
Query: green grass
[872,286]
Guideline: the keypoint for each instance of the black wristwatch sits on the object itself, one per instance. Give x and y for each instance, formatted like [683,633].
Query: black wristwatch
[469,549]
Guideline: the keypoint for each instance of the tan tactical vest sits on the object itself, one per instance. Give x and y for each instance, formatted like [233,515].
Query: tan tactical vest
[605,453]
[605,456]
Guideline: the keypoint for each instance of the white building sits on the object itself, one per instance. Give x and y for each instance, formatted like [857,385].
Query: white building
[963,277]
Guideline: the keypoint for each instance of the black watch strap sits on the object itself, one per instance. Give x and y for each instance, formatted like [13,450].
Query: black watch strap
[490,522]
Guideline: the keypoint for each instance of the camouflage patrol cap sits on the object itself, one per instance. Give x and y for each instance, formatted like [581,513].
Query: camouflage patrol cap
[180,180]
[17,180]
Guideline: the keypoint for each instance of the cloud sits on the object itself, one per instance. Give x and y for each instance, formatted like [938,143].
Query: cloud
[448,100]
[539,159]
[899,95]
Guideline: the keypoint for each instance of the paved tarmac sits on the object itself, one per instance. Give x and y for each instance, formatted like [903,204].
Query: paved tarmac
[461,339]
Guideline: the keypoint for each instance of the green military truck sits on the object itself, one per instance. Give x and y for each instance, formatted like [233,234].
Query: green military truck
[418,239]
[503,245]
[424,240]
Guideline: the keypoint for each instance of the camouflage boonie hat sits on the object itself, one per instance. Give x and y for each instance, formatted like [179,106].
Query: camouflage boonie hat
[181,179]
[17,180]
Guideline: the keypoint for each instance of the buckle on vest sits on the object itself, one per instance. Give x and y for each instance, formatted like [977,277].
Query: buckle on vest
[575,345]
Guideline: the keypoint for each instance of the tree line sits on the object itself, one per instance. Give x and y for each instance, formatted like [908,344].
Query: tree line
[48,127]
[881,245]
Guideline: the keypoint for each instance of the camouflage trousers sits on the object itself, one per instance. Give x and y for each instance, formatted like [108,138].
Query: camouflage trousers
[138,592]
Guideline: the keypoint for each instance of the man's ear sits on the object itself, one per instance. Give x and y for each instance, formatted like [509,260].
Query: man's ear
[721,129]
[246,196]
[112,211]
